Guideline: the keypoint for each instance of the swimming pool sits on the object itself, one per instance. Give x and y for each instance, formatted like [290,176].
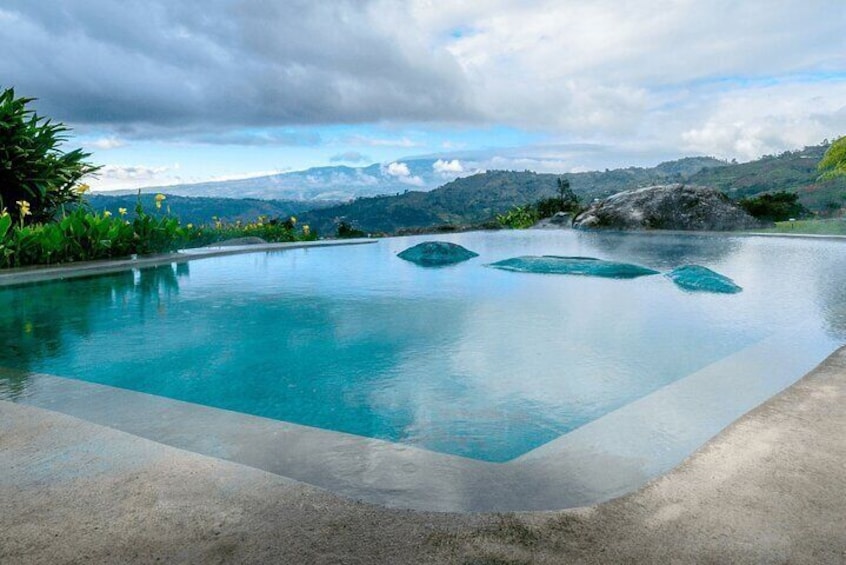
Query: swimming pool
[351,351]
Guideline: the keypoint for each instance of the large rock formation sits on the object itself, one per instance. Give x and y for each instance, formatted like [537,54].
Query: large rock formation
[436,254]
[667,207]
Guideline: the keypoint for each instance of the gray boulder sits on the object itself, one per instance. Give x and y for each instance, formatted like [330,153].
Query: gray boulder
[436,254]
[667,207]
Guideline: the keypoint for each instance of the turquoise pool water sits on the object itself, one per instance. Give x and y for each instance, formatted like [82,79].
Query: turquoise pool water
[464,360]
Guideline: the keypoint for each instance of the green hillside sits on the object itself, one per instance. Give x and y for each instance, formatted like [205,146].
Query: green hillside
[478,198]
[467,200]
[201,209]
[792,171]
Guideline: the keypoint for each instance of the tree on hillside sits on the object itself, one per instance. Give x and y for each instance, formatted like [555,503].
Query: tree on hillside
[833,163]
[565,193]
[566,201]
[36,177]
[774,207]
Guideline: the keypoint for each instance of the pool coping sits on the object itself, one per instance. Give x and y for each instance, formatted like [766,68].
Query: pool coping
[41,273]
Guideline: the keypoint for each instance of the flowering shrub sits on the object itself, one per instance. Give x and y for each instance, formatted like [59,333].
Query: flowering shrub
[84,235]
[273,230]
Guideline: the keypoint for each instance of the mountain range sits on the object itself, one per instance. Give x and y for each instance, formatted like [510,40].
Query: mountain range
[318,184]
[478,198]
[382,203]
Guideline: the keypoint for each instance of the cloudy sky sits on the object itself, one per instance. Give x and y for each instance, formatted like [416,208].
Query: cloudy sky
[165,91]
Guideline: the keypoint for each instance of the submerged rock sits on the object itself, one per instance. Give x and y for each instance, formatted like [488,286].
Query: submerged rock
[702,279]
[587,266]
[436,254]
[667,207]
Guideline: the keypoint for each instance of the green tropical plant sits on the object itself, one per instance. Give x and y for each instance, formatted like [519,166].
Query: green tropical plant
[36,177]
[833,163]
[519,217]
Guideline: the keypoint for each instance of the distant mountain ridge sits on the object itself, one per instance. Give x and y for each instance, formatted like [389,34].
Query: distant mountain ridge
[336,183]
[478,198]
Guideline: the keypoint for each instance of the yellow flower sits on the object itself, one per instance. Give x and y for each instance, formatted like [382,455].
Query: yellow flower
[293,219]
[122,211]
[106,213]
[82,189]
[23,205]
[306,230]
[190,226]
[159,198]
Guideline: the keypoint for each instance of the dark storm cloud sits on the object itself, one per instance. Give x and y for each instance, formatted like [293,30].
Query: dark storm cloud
[157,65]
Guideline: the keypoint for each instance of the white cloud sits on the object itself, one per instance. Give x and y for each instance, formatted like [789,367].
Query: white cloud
[449,170]
[402,173]
[106,143]
[247,175]
[131,172]
[748,123]
[727,78]
[113,177]
[649,73]
[448,167]
[349,157]
[453,145]
[398,170]
[382,142]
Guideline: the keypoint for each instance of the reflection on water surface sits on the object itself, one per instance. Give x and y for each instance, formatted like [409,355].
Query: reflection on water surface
[465,360]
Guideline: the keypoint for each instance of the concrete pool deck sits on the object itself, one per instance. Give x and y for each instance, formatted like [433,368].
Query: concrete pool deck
[770,488]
